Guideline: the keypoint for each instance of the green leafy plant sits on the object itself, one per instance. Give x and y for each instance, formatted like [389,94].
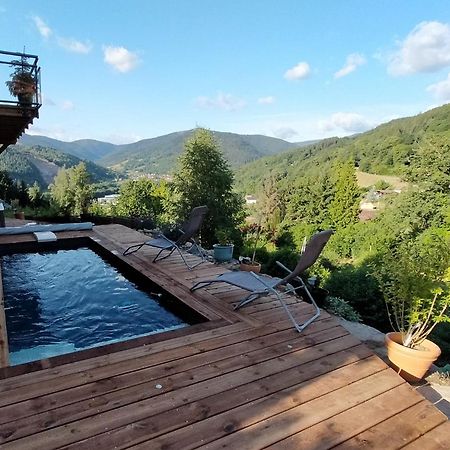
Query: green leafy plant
[224,236]
[415,282]
[252,234]
[339,307]
[23,81]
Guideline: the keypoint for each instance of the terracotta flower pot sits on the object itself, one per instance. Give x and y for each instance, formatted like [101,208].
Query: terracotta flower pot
[250,267]
[411,363]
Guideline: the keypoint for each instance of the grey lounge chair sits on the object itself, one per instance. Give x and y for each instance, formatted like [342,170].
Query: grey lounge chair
[260,285]
[188,232]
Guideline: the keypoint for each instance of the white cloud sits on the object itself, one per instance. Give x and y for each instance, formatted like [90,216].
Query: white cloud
[269,100]
[72,45]
[298,72]
[441,90]
[119,139]
[285,133]
[67,105]
[120,58]
[55,132]
[346,122]
[353,61]
[223,101]
[44,30]
[425,49]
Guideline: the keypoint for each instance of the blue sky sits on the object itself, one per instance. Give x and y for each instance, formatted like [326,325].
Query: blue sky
[121,71]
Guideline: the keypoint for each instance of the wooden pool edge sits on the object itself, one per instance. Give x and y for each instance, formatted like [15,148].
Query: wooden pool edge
[4,348]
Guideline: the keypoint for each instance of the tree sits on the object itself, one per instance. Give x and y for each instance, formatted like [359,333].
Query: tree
[344,207]
[430,165]
[22,193]
[8,190]
[205,178]
[141,198]
[271,209]
[309,200]
[71,190]
[35,195]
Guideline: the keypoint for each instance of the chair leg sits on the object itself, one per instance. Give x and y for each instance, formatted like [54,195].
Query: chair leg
[313,302]
[200,252]
[298,327]
[165,256]
[129,250]
[245,301]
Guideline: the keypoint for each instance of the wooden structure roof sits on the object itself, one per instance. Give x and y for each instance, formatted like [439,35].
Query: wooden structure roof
[14,120]
[241,380]
[16,115]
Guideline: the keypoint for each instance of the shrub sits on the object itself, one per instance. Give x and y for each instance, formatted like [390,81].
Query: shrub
[360,289]
[339,307]
[415,281]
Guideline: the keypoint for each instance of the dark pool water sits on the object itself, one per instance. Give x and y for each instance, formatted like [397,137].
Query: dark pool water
[71,300]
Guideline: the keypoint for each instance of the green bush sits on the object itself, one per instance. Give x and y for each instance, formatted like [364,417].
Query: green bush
[268,260]
[359,288]
[441,336]
[340,307]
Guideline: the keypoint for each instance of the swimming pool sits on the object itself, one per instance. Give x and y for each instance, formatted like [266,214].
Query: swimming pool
[68,300]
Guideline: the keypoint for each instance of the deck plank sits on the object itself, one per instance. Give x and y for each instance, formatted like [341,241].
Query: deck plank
[114,394]
[401,428]
[255,388]
[436,439]
[261,423]
[99,382]
[249,381]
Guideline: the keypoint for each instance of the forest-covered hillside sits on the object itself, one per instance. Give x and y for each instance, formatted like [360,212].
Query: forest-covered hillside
[402,255]
[158,155]
[387,149]
[41,164]
[84,148]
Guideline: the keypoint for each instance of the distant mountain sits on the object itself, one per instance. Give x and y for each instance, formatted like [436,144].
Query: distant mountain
[158,155]
[41,164]
[83,149]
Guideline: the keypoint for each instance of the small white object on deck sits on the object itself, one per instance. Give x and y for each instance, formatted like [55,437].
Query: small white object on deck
[45,236]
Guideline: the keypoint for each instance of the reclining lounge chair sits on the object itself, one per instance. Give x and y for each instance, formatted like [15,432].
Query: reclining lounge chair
[189,230]
[260,285]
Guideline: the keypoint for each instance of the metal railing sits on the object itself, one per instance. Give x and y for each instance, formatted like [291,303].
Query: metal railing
[23,66]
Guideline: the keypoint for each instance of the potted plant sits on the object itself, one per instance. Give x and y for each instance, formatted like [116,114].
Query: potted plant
[15,206]
[223,250]
[23,82]
[249,264]
[414,280]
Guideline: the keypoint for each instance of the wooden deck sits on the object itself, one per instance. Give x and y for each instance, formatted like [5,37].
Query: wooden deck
[241,380]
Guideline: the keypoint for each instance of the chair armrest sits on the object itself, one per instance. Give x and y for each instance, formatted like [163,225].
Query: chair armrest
[283,266]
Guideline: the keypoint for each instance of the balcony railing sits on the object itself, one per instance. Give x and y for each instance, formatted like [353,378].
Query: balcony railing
[22,86]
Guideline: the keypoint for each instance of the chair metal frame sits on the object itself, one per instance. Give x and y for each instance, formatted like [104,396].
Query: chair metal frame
[265,285]
[188,231]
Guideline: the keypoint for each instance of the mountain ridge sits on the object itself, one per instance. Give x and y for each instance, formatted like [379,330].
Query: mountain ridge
[158,154]
[41,164]
[385,150]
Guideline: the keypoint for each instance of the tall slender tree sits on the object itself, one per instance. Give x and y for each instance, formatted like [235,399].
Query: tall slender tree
[204,177]
[344,207]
